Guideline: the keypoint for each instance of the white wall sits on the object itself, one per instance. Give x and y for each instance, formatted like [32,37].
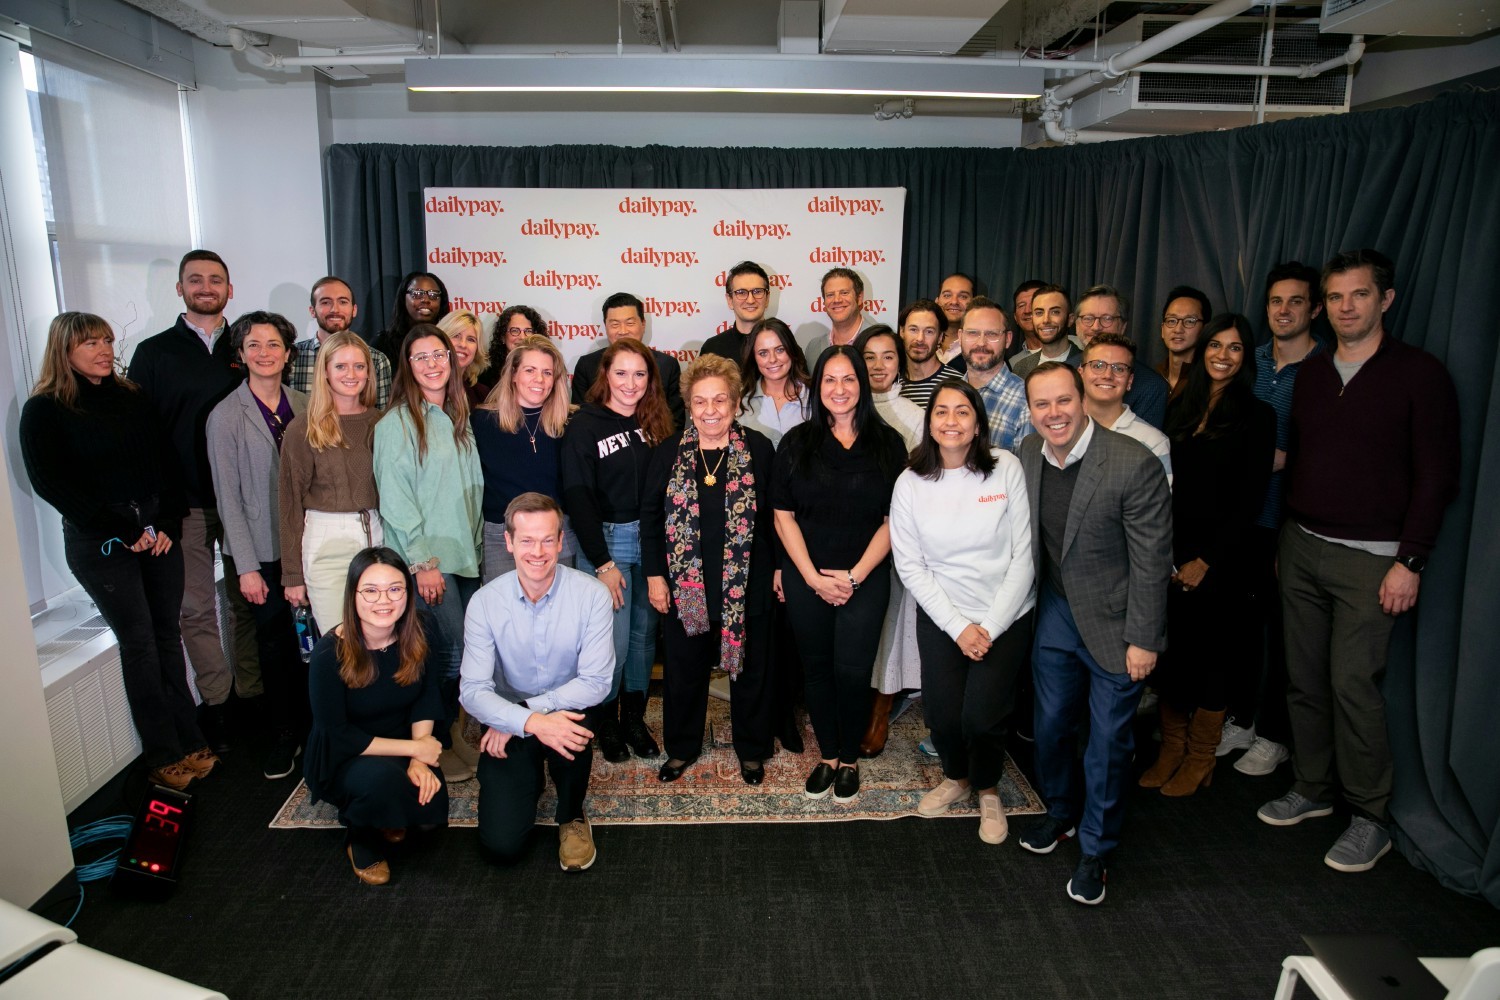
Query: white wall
[257,164]
[31,808]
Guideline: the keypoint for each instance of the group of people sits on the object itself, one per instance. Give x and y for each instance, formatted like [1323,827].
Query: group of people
[997,508]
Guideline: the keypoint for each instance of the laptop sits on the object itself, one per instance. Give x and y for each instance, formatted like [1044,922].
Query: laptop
[1375,967]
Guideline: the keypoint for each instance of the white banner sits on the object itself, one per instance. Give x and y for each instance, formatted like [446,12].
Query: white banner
[563,251]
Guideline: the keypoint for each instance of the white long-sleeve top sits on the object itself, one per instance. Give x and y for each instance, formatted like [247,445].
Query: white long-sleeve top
[962,545]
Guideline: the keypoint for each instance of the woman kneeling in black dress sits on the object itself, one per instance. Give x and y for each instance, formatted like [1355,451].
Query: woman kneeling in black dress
[372,752]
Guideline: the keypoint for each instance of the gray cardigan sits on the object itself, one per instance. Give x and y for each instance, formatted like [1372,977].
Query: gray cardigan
[246,468]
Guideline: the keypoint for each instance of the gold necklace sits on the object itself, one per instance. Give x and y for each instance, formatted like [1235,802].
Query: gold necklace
[710,479]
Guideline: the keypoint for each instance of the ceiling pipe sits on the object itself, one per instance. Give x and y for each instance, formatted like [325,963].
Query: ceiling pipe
[1135,59]
[676,36]
[1123,62]
[661,27]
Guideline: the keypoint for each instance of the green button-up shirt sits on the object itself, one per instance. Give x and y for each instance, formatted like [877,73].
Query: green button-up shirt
[432,507]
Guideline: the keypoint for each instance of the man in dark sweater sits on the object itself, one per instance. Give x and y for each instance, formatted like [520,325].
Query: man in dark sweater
[1372,462]
[747,290]
[625,316]
[185,371]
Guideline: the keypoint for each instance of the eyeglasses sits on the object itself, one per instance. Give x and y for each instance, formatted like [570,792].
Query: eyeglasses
[750,293]
[1099,367]
[430,357]
[372,595]
[1099,320]
[1187,322]
[518,331]
[430,294]
[994,336]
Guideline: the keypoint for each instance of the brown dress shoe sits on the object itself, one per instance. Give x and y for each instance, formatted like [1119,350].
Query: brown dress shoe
[377,874]
[200,761]
[176,776]
[393,835]
[880,726]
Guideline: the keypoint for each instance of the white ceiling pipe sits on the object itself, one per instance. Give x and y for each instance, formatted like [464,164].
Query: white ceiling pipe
[1122,62]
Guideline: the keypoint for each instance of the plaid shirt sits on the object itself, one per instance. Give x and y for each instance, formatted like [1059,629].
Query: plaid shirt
[300,375]
[1005,402]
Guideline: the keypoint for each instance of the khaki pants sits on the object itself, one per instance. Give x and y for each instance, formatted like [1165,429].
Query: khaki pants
[201,531]
[330,541]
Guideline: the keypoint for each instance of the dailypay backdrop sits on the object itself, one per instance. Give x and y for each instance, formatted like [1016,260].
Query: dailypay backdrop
[563,252]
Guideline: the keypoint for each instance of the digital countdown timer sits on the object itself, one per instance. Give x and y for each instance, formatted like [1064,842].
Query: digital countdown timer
[152,854]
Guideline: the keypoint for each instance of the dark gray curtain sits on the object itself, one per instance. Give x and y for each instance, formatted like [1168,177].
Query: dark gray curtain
[1214,210]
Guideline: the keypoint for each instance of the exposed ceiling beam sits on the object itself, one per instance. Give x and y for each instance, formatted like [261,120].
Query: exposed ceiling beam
[936,27]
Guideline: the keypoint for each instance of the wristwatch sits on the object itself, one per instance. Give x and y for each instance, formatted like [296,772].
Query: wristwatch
[422,567]
[1414,563]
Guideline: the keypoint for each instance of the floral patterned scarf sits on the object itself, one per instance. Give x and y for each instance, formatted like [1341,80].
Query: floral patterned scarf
[684,535]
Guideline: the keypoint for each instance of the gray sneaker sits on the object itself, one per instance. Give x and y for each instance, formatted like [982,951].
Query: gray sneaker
[1263,757]
[1363,844]
[1291,809]
[1233,737]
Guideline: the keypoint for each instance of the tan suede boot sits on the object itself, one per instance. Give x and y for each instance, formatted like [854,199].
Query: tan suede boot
[1197,771]
[1174,735]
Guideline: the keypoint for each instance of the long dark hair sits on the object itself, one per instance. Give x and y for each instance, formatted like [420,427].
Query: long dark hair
[1234,404]
[869,333]
[797,379]
[401,320]
[812,434]
[356,667]
[927,457]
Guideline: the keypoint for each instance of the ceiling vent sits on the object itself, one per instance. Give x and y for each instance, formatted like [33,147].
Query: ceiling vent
[1429,19]
[1193,102]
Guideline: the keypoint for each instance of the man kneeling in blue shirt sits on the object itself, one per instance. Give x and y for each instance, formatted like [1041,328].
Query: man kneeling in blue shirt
[538,651]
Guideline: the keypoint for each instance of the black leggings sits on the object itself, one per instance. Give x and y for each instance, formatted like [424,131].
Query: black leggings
[838,646]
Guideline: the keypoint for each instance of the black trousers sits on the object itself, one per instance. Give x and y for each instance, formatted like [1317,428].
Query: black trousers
[1259,695]
[374,792]
[140,597]
[511,786]
[684,698]
[838,646]
[967,702]
[282,671]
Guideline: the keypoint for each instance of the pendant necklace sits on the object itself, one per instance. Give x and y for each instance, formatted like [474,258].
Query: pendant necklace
[710,479]
[531,431]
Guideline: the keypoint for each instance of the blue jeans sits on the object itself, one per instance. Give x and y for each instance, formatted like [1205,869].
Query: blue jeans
[1066,677]
[635,622]
[445,625]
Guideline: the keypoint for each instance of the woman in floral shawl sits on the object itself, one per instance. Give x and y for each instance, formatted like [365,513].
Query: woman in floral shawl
[707,544]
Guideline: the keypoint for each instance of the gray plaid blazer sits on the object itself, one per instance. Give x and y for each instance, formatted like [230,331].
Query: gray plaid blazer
[1117,548]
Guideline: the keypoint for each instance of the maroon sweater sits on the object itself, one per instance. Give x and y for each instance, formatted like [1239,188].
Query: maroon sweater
[1376,460]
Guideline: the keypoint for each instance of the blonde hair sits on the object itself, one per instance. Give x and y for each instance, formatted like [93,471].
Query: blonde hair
[323,428]
[502,399]
[67,331]
[451,322]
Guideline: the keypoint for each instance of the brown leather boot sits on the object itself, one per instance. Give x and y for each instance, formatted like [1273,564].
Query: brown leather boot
[1174,734]
[880,726]
[1197,771]
[462,748]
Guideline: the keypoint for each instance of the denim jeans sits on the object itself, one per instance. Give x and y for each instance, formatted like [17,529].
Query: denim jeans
[635,622]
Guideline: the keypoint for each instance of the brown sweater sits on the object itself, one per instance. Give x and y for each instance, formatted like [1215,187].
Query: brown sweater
[335,480]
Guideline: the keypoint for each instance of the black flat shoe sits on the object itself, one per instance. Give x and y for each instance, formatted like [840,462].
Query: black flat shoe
[671,772]
[846,785]
[752,775]
[819,782]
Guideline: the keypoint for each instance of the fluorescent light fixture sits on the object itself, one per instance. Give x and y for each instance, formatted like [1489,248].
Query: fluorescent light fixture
[857,76]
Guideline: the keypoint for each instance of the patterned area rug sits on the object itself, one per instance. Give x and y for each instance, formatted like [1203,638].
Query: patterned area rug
[712,791]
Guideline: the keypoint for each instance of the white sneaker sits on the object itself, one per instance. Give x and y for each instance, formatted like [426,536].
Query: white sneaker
[1233,737]
[937,801]
[1263,757]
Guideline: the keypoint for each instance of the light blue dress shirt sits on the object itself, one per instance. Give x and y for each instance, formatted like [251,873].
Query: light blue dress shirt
[557,654]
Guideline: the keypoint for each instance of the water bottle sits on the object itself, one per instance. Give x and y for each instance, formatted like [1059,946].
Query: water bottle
[307,636]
